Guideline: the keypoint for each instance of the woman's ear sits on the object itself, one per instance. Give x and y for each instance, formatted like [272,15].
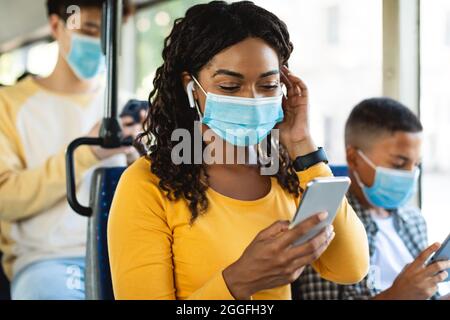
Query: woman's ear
[186,79]
[189,87]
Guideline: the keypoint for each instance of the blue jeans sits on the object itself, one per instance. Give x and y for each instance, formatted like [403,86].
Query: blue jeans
[55,279]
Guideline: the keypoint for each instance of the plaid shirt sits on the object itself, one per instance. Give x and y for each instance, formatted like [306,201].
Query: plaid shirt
[411,228]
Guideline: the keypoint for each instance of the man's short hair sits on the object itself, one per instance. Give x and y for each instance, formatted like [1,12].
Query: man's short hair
[377,117]
[59,7]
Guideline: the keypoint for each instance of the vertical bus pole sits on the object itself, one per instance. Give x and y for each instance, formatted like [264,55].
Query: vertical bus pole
[110,130]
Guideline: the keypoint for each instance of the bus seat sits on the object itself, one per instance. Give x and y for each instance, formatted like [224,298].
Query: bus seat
[97,275]
[4,284]
[339,171]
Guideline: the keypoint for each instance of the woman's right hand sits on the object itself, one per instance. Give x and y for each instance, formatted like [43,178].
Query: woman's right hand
[272,261]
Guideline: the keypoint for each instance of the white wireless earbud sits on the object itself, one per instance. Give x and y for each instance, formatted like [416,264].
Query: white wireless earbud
[284,90]
[190,89]
[192,103]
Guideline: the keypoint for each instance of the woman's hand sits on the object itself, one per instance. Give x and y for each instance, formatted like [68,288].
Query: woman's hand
[294,130]
[418,281]
[271,260]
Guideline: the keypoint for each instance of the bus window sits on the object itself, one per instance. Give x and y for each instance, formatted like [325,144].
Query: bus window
[435,115]
[328,53]
[12,65]
[152,26]
[38,58]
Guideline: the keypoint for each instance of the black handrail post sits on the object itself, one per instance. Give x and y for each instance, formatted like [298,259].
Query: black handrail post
[70,172]
[112,19]
[110,133]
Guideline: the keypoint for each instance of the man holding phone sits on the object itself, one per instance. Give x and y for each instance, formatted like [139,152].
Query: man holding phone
[132,118]
[383,147]
[43,240]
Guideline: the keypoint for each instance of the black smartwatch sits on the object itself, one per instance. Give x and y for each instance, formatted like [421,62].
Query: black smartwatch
[304,162]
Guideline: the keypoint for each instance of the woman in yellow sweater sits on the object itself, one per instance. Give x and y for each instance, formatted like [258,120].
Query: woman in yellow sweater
[201,229]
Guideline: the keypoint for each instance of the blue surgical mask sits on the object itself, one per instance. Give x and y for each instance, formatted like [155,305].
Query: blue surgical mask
[241,121]
[392,188]
[85,57]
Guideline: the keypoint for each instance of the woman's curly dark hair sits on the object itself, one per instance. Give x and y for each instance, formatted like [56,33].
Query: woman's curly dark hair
[195,39]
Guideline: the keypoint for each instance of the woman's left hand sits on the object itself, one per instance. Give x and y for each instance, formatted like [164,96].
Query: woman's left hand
[294,130]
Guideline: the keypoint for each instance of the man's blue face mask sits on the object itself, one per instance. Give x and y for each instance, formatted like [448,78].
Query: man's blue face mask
[241,121]
[85,57]
[392,188]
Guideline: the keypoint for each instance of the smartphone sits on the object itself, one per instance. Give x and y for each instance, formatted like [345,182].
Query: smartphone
[443,254]
[321,195]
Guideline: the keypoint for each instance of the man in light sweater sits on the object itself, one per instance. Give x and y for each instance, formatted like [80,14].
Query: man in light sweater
[43,240]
